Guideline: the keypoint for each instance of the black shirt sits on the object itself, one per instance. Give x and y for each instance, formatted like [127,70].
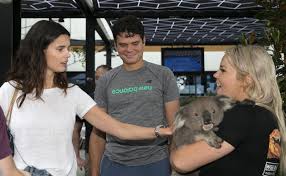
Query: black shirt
[250,129]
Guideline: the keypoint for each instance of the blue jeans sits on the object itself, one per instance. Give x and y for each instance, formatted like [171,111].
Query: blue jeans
[37,172]
[159,168]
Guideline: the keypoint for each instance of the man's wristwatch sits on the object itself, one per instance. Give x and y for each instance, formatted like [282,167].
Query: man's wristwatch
[156,130]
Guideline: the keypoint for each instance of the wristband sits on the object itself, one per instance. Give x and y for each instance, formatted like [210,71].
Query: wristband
[157,129]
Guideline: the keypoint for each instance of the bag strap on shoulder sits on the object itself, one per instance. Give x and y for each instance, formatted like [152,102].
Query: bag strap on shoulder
[9,112]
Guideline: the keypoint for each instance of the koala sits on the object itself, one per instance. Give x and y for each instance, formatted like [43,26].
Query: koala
[198,120]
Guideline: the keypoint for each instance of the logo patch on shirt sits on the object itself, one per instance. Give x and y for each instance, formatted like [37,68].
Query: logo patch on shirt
[129,90]
[274,148]
[273,155]
[149,81]
[270,169]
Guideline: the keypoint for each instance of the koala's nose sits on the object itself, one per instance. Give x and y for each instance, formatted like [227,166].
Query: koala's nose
[207,117]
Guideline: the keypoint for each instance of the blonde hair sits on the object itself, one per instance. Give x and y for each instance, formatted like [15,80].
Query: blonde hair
[254,61]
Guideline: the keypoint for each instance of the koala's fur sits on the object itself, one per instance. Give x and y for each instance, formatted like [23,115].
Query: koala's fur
[198,120]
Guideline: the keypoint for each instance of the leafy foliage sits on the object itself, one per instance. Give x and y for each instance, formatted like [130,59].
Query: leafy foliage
[78,56]
[275,37]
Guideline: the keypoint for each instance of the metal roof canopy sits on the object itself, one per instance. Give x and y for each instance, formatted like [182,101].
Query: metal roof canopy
[166,22]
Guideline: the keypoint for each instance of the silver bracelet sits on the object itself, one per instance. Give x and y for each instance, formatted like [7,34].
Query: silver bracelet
[157,129]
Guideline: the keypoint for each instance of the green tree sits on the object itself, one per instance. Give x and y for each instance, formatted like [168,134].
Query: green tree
[275,37]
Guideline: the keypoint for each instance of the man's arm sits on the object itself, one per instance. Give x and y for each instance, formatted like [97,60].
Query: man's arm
[8,168]
[76,143]
[171,108]
[96,149]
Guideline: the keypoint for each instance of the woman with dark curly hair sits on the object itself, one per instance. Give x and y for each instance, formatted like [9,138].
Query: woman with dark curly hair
[43,115]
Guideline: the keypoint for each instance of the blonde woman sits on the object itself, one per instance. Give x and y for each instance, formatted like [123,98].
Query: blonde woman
[254,135]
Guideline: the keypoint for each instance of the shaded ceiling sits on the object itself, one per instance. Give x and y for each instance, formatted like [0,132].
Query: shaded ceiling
[167,22]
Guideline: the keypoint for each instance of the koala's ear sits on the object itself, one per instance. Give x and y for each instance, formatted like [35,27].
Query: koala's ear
[225,102]
[179,120]
[186,109]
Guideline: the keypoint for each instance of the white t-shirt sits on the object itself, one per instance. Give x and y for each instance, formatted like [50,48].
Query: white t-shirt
[43,128]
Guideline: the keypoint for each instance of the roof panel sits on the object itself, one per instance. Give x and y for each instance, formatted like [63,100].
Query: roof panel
[200,30]
[178,4]
[49,7]
[36,5]
[167,21]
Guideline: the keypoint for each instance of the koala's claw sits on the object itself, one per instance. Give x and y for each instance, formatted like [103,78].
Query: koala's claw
[215,145]
[215,142]
[219,140]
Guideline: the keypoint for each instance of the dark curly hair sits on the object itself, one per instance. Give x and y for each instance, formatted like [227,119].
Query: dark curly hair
[29,66]
[129,24]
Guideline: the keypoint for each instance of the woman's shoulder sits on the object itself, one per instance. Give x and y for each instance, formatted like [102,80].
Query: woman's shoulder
[9,85]
[252,107]
[76,91]
[243,106]
[265,114]
[240,112]
[249,113]
[8,88]
[73,87]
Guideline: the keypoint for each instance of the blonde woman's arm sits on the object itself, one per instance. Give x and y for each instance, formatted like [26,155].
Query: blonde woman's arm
[190,157]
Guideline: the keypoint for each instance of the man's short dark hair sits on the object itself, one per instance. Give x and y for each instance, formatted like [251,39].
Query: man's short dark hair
[129,24]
